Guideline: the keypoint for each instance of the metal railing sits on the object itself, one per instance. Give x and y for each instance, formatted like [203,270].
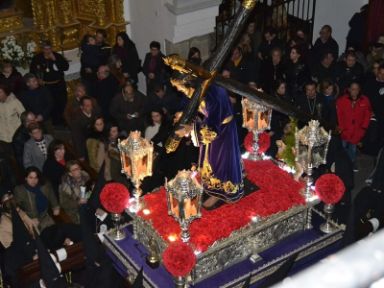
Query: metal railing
[286,16]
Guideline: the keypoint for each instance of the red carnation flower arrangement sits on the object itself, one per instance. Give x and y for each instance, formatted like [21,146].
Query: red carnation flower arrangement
[330,188]
[114,197]
[179,259]
[264,142]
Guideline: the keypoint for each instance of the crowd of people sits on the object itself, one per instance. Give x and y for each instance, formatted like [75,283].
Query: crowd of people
[43,177]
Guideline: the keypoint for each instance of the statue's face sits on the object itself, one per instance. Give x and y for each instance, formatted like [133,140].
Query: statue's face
[180,86]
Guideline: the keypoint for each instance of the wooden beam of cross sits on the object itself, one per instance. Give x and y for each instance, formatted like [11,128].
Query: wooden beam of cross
[211,67]
[258,96]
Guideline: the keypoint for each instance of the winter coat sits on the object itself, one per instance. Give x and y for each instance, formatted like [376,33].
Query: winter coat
[10,111]
[353,121]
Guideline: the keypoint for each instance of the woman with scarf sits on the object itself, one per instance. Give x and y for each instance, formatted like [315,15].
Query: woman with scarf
[36,198]
[72,190]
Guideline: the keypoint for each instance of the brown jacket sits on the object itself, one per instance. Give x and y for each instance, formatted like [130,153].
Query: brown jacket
[26,201]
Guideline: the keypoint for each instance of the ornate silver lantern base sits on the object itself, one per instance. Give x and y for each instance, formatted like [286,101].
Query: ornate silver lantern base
[185,236]
[180,282]
[117,233]
[327,227]
[255,147]
[135,204]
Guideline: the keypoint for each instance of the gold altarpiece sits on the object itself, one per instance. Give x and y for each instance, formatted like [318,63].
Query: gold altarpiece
[63,22]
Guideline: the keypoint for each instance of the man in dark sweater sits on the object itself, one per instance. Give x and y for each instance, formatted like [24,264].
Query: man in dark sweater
[80,126]
[128,108]
[104,89]
[38,100]
[325,69]
[49,66]
[348,71]
[325,43]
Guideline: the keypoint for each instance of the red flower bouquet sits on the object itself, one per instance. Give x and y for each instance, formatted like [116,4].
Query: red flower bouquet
[330,188]
[114,197]
[179,259]
[264,142]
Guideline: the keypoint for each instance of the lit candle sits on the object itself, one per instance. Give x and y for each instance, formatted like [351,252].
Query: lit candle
[255,219]
[146,212]
[172,238]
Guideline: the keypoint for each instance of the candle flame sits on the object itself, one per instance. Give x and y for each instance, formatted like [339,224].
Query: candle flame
[146,212]
[172,238]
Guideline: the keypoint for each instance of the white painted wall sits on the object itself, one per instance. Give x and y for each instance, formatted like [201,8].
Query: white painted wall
[151,20]
[336,13]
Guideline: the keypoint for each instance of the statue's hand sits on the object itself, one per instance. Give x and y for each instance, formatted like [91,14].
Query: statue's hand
[184,131]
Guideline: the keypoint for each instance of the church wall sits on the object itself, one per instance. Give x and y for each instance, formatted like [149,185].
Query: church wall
[175,24]
[337,14]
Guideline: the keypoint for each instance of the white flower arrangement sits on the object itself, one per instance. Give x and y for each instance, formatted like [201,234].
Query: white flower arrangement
[11,51]
[31,48]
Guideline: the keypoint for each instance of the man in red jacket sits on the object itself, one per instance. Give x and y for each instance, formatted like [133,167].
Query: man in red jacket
[354,113]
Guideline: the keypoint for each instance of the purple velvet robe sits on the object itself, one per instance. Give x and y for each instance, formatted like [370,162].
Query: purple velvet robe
[220,161]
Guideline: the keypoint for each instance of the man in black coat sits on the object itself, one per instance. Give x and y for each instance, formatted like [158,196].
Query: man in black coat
[104,89]
[104,47]
[37,99]
[310,102]
[348,71]
[241,67]
[325,43]
[325,70]
[49,66]
[80,126]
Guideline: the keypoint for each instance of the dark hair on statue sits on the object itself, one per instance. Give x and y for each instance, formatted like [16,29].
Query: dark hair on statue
[188,80]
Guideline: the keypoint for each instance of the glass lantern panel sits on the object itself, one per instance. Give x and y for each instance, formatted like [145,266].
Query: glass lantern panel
[127,165]
[250,120]
[263,120]
[174,206]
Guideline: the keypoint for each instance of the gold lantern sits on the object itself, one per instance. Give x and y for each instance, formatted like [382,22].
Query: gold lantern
[136,155]
[256,119]
[311,148]
[184,200]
